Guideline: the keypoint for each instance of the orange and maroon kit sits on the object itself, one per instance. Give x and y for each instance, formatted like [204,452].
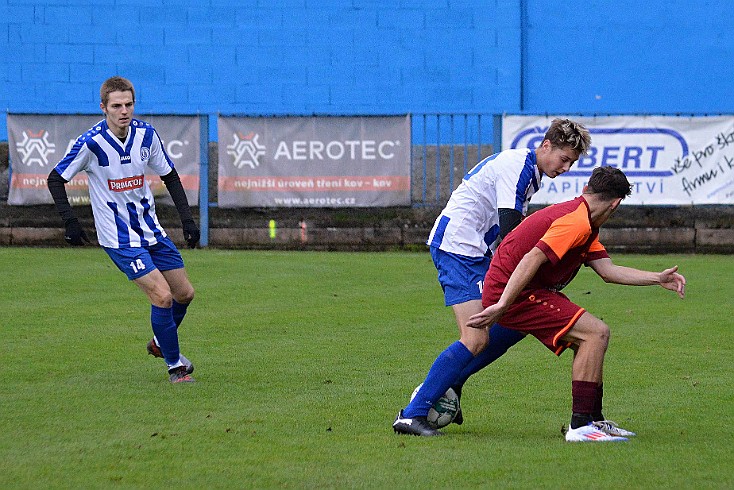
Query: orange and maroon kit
[565,234]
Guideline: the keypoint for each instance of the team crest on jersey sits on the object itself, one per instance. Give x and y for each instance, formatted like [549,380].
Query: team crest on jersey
[144,153]
[126,184]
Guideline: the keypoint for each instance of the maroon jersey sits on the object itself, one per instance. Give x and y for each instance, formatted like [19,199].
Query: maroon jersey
[565,235]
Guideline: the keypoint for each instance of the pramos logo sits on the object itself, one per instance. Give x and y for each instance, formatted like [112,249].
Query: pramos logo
[638,151]
[126,184]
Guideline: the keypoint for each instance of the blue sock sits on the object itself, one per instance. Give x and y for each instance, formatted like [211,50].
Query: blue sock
[500,339]
[179,312]
[447,366]
[165,331]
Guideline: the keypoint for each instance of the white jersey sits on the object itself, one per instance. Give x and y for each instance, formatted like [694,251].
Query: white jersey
[469,224]
[122,203]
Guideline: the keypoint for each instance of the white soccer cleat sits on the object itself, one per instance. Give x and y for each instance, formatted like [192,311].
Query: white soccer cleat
[589,433]
[611,428]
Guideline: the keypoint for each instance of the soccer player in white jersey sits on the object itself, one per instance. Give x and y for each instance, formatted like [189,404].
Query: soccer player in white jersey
[115,153]
[491,200]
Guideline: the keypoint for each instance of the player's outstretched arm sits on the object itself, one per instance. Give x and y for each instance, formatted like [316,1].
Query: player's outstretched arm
[520,278]
[617,274]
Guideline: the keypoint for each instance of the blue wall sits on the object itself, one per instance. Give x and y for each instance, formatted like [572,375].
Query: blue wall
[630,56]
[369,56]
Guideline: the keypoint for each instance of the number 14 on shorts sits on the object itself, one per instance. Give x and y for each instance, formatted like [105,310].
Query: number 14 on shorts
[137,265]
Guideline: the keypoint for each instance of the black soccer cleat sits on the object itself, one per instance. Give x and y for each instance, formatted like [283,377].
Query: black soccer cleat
[459,417]
[155,351]
[417,426]
[179,375]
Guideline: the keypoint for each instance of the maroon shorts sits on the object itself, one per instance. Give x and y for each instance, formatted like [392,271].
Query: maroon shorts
[546,315]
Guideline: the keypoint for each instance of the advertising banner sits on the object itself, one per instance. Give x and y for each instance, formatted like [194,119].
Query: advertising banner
[37,142]
[314,161]
[669,160]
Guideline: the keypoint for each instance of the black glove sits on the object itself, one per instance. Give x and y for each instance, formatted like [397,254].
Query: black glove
[75,234]
[191,233]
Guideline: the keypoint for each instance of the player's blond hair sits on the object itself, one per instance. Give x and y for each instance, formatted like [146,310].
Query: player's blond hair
[115,84]
[565,132]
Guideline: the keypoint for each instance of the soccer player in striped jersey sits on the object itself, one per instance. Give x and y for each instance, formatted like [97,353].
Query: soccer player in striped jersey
[115,153]
[490,201]
[522,291]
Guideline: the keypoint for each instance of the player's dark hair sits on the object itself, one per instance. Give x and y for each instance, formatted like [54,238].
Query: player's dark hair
[115,84]
[610,183]
[565,132]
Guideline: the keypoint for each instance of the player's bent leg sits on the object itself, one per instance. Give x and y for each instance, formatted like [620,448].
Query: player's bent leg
[183,294]
[447,366]
[155,286]
[165,340]
[181,288]
[182,291]
[164,329]
[473,339]
[500,340]
[591,335]
[591,338]
[476,340]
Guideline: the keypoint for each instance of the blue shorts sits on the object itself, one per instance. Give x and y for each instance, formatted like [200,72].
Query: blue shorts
[136,262]
[461,277]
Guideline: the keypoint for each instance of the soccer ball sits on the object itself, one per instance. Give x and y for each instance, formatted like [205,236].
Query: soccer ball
[444,410]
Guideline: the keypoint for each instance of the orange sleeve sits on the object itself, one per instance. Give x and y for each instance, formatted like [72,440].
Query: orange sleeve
[596,250]
[567,232]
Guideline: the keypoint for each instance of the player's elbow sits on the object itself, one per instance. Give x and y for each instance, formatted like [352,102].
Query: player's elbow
[606,278]
[54,178]
[607,274]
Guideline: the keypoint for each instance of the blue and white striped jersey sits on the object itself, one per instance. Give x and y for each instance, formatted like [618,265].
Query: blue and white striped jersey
[122,203]
[469,224]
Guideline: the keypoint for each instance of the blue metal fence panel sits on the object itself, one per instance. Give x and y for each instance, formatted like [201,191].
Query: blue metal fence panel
[204,180]
[443,152]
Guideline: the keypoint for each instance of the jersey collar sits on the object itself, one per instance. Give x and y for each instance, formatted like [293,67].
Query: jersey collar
[122,147]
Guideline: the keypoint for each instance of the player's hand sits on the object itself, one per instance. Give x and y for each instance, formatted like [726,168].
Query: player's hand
[75,234]
[486,318]
[670,279]
[191,233]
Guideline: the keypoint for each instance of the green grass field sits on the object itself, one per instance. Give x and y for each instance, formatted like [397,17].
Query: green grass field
[303,360]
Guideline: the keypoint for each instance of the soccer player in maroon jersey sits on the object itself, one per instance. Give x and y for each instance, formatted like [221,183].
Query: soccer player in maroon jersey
[522,291]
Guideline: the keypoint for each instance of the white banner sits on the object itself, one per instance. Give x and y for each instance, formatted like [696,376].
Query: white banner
[37,142]
[668,160]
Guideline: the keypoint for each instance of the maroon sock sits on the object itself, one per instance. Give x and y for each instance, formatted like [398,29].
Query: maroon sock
[597,413]
[584,398]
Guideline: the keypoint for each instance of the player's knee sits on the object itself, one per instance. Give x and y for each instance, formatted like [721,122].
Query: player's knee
[475,343]
[161,298]
[603,333]
[186,296]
